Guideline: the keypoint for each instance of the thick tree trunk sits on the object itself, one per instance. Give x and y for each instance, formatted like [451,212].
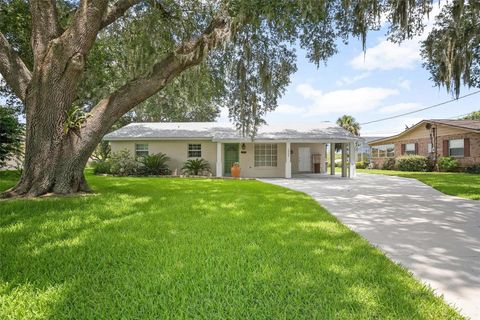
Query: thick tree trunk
[54,160]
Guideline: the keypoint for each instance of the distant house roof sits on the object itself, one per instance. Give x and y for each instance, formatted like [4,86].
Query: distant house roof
[465,124]
[227,132]
[470,125]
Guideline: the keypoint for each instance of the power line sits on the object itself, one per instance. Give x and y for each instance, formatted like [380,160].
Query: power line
[422,109]
[464,115]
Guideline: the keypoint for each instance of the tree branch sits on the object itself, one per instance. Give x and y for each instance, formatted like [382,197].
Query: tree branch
[13,69]
[187,55]
[45,25]
[117,10]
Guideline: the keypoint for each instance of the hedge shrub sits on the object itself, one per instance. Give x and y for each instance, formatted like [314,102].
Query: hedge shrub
[361,165]
[412,163]
[123,164]
[389,164]
[473,169]
[447,164]
[101,167]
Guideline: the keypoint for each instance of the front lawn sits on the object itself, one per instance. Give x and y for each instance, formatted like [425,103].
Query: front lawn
[456,184]
[152,248]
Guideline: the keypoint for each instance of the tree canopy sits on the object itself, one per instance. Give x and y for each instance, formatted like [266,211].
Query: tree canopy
[247,74]
[350,124]
[473,116]
[452,49]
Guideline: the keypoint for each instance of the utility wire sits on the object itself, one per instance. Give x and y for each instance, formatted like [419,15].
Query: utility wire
[463,115]
[422,109]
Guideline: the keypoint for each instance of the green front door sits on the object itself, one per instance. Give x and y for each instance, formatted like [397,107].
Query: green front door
[231,155]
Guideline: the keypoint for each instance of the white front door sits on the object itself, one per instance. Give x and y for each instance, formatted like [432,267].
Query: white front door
[304,162]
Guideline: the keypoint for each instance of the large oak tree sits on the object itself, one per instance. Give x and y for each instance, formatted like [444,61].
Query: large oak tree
[244,48]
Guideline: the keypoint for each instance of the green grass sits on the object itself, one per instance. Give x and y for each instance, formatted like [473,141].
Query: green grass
[147,248]
[456,184]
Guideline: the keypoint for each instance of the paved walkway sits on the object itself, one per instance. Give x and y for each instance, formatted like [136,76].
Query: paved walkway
[434,235]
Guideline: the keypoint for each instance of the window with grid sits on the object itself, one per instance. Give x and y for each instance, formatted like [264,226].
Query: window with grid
[194,150]
[265,155]
[141,149]
[456,148]
[383,151]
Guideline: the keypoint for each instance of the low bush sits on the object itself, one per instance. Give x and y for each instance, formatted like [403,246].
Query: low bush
[447,164]
[473,169]
[361,165]
[388,164]
[196,167]
[101,167]
[154,164]
[123,164]
[411,163]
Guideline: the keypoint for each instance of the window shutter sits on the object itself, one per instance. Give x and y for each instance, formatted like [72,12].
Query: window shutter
[416,148]
[466,146]
[403,149]
[445,148]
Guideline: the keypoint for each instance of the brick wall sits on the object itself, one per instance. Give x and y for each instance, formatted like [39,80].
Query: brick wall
[423,148]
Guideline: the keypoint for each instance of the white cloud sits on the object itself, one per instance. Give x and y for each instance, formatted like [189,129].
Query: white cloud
[289,109]
[388,56]
[405,84]
[399,107]
[343,101]
[349,80]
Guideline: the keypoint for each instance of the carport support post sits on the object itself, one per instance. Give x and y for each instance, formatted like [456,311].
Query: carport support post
[344,160]
[332,158]
[218,167]
[288,162]
[353,160]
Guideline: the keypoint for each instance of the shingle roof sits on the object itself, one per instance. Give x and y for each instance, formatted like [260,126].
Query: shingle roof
[226,131]
[473,125]
[466,124]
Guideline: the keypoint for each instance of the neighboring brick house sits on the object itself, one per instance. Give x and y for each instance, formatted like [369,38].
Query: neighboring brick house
[456,138]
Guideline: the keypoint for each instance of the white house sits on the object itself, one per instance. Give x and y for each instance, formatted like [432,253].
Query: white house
[275,151]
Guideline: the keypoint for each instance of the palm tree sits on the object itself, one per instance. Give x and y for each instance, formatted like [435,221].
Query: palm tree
[350,124]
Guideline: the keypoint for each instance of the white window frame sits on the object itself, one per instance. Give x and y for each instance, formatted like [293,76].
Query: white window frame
[265,155]
[194,150]
[141,149]
[410,151]
[457,147]
[387,149]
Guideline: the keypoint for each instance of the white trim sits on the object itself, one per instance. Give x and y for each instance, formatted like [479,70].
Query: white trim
[288,162]
[219,167]
[344,160]
[353,165]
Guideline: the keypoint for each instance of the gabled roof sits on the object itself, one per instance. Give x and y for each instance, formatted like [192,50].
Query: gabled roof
[470,125]
[226,132]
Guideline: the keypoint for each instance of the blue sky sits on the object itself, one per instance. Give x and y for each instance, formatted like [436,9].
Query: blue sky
[389,80]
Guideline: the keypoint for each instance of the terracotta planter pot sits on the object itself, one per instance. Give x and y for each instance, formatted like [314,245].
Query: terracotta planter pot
[235,171]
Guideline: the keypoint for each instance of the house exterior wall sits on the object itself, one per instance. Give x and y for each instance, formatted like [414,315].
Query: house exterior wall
[177,151]
[247,163]
[421,137]
[315,148]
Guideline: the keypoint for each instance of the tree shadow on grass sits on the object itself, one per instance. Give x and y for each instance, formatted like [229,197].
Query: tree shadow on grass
[172,248]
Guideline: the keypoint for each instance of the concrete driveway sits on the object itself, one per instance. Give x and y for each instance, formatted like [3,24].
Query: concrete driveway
[435,236]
